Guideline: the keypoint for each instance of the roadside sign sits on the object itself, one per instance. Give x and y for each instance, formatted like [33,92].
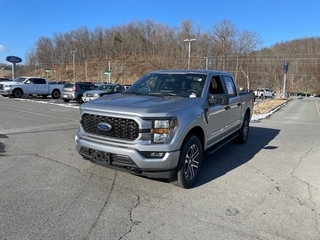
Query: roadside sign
[13,59]
[107,72]
[285,66]
[48,70]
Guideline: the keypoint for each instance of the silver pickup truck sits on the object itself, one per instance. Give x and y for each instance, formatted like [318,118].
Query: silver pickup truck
[161,126]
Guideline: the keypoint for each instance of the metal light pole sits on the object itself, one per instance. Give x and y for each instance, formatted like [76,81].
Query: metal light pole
[236,77]
[206,62]
[1,69]
[74,71]
[189,40]
[285,70]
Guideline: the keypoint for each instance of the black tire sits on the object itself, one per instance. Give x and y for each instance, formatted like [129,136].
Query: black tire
[55,94]
[189,164]
[66,100]
[17,93]
[79,100]
[244,130]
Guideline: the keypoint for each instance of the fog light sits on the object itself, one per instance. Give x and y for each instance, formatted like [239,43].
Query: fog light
[153,154]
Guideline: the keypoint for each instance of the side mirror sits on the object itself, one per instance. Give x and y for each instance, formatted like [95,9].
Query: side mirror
[218,99]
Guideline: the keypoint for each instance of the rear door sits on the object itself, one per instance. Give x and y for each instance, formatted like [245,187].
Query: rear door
[235,105]
[41,86]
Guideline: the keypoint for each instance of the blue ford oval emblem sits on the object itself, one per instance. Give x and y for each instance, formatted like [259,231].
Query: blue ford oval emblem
[104,126]
[13,59]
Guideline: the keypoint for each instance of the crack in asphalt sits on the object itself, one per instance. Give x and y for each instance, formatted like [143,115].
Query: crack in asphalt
[315,212]
[133,223]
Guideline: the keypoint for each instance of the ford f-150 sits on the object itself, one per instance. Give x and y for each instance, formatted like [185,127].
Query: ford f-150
[162,125]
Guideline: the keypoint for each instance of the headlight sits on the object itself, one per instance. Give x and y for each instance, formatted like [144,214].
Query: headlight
[96,95]
[164,130]
[84,95]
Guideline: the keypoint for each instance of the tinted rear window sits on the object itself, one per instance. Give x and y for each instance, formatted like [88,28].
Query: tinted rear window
[87,86]
[68,85]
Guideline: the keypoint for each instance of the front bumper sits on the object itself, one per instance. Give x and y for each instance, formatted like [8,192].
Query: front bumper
[127,159]
[5,92]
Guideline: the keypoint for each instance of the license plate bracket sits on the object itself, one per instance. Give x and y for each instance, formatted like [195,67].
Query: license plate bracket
[100,156]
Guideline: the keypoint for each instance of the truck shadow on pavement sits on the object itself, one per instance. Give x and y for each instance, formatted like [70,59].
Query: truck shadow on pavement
[233,155]
[2,146]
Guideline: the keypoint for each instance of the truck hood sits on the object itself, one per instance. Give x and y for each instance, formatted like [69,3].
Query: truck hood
[8,83]
[137,104]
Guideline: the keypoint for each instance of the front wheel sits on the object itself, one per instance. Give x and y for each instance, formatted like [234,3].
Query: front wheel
[189,164]
[17,93]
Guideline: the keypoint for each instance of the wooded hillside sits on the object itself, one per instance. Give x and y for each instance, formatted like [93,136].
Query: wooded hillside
[131,50]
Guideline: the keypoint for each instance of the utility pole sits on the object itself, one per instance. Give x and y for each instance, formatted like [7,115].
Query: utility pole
[189,40]
[237,68]
[74,70]
[285,69]
[206,62]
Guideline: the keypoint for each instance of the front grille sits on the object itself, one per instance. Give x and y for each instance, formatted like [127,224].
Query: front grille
[122,128]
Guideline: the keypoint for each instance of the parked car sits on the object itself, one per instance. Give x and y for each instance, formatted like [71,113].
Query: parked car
[102,90]
[264,93]
[74,91]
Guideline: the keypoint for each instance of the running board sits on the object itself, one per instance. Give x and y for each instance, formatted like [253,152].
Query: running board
[221,143]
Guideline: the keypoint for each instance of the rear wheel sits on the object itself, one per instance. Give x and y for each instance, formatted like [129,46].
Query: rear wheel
[189,165]
[55,94]
[244,130]
[17,93]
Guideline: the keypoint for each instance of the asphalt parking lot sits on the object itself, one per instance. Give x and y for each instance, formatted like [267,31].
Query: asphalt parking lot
[265,189]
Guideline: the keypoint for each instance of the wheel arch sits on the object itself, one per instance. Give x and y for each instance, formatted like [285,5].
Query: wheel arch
[198,132]
[17,89]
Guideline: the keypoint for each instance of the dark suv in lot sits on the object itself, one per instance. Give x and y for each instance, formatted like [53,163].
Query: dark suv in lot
[74,91]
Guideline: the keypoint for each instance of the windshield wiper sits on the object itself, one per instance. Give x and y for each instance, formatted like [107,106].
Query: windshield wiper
[134,92]
[161,94]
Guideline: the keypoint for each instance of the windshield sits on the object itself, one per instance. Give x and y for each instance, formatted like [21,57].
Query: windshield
[20,79]
[176,84]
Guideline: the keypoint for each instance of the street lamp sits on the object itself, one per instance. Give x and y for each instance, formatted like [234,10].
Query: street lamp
[206,62]
[74,71]
[189,40]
